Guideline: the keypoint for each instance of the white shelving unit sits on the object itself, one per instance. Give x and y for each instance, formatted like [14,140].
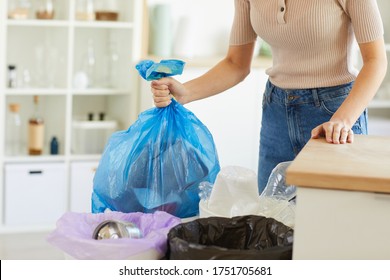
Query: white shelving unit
[53,51]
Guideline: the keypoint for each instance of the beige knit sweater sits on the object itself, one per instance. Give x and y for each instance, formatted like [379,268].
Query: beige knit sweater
[311,40]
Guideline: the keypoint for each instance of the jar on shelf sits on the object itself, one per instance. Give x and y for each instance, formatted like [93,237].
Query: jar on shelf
[19,9]
[12,76]
[45,9]
[107,10]
[85,10]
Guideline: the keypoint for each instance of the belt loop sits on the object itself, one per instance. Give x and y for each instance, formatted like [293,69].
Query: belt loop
[315,97]
[270,91]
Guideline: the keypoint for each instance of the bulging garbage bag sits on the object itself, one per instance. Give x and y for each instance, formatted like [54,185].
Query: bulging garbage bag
[158,163]
[74,236]
[243,237]
[235,193]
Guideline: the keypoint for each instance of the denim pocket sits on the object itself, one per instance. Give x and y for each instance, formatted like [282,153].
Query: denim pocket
[331,98]
[360,126]
[331,105]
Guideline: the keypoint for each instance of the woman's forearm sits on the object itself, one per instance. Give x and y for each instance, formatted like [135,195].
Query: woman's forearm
[227,73]
[366,84]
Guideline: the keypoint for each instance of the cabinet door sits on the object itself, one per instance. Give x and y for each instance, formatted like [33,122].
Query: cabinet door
[35,193]
[82,174]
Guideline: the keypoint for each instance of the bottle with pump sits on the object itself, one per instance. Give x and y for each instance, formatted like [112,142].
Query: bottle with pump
[12,76]
[36,131]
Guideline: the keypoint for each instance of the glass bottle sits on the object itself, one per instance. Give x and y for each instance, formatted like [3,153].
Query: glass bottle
[54,146]
[45,9]
[89,66]
[112,66]
[85,10]
[36,131]
[19,9]
[14,132]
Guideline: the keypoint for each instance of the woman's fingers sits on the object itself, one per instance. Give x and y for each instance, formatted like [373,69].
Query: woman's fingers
[161,94]
[334,132]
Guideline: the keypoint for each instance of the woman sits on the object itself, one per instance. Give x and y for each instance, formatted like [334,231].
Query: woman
[313,89]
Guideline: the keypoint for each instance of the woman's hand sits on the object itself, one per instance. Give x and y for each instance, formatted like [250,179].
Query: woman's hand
[335,132]
[163,90]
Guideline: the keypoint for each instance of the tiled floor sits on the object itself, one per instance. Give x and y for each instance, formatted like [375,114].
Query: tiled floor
[28,246]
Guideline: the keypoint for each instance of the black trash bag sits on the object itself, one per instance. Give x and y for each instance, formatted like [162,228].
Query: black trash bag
[248,237]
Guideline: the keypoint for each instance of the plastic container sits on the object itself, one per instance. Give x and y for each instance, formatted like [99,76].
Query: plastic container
[107,10]
[90,137]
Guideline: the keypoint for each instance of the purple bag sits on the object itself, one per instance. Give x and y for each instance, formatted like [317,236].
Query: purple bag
[74,236]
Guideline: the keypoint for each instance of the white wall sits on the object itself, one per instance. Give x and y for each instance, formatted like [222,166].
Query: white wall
[210,20]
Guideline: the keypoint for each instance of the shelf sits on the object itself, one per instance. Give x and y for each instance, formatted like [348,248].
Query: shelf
[58,91]
[35,91]
[101,91]
[94,125]
[38,23]
[66,23]
[30,159]
[104,24]
[85,157]
[49,158]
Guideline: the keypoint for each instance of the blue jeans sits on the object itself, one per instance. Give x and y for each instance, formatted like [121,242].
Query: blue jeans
[288,118]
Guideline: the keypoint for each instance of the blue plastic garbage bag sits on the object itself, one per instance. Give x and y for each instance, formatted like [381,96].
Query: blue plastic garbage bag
[150,70]
[157,164]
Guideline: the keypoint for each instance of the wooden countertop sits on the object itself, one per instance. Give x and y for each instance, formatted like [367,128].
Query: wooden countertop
[363,165]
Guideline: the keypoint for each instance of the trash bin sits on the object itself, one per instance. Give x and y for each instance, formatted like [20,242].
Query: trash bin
[74,236]
[241,237]
[235,193]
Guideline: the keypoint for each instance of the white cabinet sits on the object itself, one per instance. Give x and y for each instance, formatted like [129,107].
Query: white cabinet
[35,194]
[81,185]
[82,70]
[343,200]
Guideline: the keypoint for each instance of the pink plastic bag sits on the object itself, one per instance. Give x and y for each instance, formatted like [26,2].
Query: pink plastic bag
[74,236]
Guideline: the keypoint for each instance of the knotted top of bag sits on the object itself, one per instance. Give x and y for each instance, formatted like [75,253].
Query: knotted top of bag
[150,70]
